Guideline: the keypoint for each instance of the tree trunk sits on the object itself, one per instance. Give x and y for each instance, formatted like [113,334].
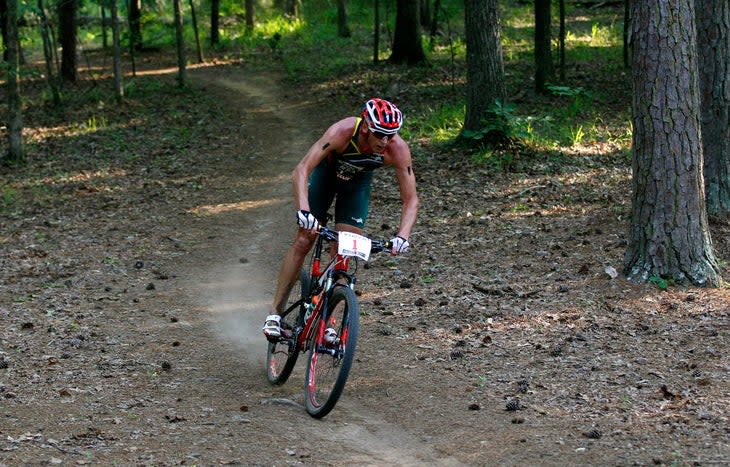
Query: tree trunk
[15,154]
[561,41]
[627,26]
[249,15]
[544,69]
[343,30]
[292,7]
[135,24]
[215,11]
[67,38]
[435,18]
[713,40]
[181,61]
[407,46]
[668,235]
[4,27]
[117,54]
[48,47]
[484,64]
[104,35]
[194,17]
[425,13]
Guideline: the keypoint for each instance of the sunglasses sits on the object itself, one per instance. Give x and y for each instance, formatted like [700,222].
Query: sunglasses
[381,135]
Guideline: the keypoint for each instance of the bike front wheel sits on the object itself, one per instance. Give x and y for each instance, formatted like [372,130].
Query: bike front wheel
[281,356]
[330,362]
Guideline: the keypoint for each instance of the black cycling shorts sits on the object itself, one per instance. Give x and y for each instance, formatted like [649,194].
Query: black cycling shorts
[352,197]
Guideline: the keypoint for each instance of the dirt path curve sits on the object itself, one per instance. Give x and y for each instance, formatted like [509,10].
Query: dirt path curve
[229,283]
[161,361]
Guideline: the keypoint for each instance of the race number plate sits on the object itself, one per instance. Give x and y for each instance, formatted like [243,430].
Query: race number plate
[352,244]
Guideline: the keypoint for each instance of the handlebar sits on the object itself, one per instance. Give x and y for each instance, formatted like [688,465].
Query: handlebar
[376,246]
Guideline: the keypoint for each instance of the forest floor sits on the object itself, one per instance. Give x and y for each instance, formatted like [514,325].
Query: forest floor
[134,291]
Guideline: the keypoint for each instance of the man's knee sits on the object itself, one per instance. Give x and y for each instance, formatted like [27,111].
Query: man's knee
[303,242]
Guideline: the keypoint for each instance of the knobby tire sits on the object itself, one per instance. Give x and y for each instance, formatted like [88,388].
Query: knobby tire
[281,356]
[327,374]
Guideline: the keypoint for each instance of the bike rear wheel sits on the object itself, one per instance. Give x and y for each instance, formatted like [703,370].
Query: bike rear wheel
[329,364]
[281,356]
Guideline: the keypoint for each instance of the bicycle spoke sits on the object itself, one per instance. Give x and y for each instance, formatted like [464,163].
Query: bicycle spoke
[329,363]
[282,355]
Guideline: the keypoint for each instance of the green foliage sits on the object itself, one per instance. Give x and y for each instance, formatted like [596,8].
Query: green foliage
[502,123]
[7,197]
[501,161]
[661,282]
[92,125]
[441,123]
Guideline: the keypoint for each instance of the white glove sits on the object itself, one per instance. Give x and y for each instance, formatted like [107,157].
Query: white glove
[306,220]
[399,245]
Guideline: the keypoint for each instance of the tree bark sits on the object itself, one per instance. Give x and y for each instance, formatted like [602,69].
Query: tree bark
[117,54]
[343,29]
[194,17]
[484,63]
[181,60]
[292,8]
[544,69]
[434,19]
[561,41]
[713,41]
[15,154]
[135,24]
[249,15]
[668,235]
[407,46]
[425,13]
[4,27]
[627,26]
[104,35]
[67,38]
[215,9]
[48,46]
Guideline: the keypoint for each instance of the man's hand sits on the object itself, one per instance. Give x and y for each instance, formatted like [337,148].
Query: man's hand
[306,220]
[399,245]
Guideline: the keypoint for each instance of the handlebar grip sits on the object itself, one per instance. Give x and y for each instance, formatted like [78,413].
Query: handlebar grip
[379,245]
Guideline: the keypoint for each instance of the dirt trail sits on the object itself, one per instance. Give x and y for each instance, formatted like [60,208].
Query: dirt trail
[131,324]
[229,283]
[171,372]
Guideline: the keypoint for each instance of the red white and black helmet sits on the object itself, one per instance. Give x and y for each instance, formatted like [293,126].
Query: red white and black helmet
[382,116]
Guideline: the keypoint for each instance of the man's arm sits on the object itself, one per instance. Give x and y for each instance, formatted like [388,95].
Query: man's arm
[407,184]
[335,139]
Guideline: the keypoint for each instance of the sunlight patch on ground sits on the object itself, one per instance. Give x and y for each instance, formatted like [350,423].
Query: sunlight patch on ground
[85,176]
[249,182]
[214,209]
[175,69]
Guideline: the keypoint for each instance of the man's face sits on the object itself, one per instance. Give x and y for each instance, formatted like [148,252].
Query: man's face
[377,140]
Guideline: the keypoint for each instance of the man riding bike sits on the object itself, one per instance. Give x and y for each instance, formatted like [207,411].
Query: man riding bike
[339,167]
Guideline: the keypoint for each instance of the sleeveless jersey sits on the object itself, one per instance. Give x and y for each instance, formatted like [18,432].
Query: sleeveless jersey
[351,162]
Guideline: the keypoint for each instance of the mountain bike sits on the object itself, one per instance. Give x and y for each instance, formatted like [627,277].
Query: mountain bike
[322,316]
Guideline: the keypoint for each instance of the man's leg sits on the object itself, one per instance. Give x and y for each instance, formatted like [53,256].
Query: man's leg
[290,267]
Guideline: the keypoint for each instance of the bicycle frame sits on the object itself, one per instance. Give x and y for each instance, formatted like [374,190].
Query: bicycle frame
[322,282]
[327,305]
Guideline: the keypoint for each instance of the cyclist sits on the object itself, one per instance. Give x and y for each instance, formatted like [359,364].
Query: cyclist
[340,166]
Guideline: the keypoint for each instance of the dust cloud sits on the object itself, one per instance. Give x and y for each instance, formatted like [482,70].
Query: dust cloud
[238,298]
